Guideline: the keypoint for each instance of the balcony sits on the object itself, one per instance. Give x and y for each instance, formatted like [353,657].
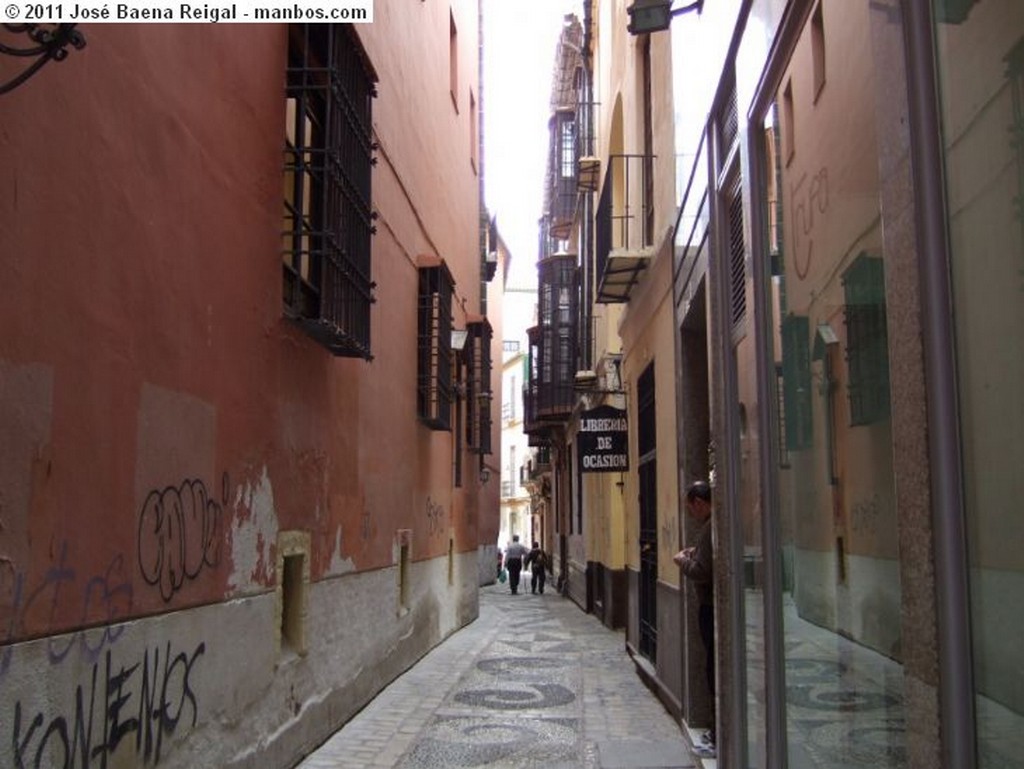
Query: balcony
[625,226]
[535,467]
[562,174]
[536,431]
[552,357]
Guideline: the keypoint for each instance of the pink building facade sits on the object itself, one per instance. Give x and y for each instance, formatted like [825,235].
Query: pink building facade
[240,444]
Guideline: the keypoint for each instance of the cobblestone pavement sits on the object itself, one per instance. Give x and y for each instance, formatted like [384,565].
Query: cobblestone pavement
[534,682]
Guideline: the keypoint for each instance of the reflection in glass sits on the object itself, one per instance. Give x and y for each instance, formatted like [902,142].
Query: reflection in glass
[837,511]
[980,54]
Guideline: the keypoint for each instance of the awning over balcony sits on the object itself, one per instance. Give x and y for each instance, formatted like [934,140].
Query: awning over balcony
[625,226]
[622,271]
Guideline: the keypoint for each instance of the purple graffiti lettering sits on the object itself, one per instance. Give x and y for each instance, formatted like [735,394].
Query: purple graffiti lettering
[114,600]
[56,576]
[33,610]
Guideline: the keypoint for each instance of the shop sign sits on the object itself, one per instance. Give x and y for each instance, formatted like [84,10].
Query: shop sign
[601,443]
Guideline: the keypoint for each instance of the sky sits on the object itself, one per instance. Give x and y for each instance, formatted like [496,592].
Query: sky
[519,55]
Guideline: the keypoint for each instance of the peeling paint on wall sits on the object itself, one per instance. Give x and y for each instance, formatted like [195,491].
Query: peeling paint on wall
[338,564]
[253,535]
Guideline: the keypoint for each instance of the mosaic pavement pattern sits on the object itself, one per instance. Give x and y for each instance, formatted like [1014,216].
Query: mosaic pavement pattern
[533,683]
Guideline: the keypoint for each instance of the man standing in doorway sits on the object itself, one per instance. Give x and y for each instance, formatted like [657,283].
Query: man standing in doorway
[697,564]
[514,554]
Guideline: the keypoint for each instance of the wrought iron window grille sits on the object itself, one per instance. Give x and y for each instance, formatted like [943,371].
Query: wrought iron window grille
[434,386]
[479,391]
[328,216]
[553,341]
[43,45]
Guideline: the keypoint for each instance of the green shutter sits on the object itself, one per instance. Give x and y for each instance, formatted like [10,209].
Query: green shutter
[796,382]
[867,340]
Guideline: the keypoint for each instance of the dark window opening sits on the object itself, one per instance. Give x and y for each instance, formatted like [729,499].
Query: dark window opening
[818,49]
[328,219]
[479,391]
[434,346]
[292,602]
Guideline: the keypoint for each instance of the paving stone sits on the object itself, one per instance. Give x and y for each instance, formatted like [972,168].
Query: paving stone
[532,683]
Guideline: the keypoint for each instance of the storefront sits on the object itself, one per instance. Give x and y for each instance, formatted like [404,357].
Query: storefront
[865,174]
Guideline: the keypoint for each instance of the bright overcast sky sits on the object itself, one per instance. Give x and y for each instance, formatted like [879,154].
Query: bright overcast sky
[519,54]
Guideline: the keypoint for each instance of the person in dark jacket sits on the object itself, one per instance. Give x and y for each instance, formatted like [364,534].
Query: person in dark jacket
[697,565]
[538,563]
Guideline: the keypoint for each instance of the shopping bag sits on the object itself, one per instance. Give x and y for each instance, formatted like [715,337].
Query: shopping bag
[502,576]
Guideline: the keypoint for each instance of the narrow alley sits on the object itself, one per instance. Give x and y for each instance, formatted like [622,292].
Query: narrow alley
[534,682]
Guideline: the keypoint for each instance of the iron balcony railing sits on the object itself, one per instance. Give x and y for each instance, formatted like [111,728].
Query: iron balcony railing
[624,235]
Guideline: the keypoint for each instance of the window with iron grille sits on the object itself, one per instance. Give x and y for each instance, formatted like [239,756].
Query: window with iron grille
[434,346]
[478,350]
[562,194]
[557,311]
[867,347]
[328,154]
[567,150]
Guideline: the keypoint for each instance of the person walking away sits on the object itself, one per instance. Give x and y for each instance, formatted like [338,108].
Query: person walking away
[697,565]
[538,563]
[514,555]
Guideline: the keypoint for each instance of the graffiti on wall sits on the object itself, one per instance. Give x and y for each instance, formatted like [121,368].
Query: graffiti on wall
[137,705]
[34,606]
[180,533]
[808,199]
[435,516]
[120,707]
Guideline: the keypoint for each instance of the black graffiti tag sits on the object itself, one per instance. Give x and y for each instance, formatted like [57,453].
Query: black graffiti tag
[434,515]
[179,534]
[133,707]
